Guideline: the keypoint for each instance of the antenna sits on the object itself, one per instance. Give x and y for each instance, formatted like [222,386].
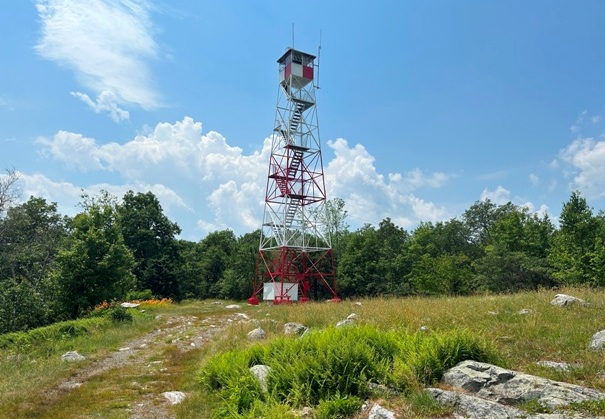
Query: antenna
[318,58]
[292,35]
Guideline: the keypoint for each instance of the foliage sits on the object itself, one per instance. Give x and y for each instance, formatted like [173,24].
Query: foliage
[331,368]
[119,314]
[96,266]
[150,235]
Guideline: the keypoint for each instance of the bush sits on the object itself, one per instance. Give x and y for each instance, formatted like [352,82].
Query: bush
[140,295]
[119,314]
[332,368]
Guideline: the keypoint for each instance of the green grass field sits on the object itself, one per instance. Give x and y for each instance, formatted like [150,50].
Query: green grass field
[486,326]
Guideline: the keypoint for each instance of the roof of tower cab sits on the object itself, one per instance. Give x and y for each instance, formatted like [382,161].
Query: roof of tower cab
[290,50]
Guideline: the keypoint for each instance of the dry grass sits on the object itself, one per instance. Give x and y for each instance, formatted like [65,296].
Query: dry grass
[29,375]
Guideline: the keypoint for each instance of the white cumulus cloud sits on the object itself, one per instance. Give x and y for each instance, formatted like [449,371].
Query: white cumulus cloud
[107,44]
[586,158]
[203,179]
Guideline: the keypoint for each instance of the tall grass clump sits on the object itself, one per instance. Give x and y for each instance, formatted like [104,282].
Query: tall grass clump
[332,369]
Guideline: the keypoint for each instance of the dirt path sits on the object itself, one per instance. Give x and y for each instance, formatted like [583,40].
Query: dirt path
[142,357]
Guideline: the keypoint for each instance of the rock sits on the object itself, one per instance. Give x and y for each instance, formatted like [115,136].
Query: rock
[291,329]
[424,329]
[379,412]
[72,356]
[358,304]
[510,387]
[561,366]
[257,334]
[233,306]
[261,372]
[563,300]
[243,316]
[174,397]
[474,407]
[492,313]
[597,341]
[345,322]
[129,305]
[352,316]
[524,311]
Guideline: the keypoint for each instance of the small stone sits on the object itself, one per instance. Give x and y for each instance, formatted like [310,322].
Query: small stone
[424,329]
[492,313]
[261,372]
[291,329]
[561,366]
[358,304]
[233,306]
[352,316]
[563,300]
[524,311]
[174,397]
[598,341]
[72,356]
[126,348]
[256,334]
[379,412]
[129,305]
[345,322]
[243,316]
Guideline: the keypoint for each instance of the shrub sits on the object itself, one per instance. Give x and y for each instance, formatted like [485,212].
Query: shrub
[332,368]
[119,314]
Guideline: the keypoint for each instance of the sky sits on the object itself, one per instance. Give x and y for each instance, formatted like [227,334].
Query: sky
[424,107]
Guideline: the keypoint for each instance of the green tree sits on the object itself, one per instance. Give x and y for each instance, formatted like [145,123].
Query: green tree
[96,265]
[150,235]
[576,244]
[441,257]
[32,235]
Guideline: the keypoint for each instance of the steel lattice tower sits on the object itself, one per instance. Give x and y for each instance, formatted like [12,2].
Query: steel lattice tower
[295,258]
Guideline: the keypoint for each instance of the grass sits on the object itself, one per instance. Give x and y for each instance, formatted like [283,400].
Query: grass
[30,363]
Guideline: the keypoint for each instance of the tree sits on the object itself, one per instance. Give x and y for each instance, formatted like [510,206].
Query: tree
[32,235]
[575,243]
[96,265]
[150,235]
[9,191]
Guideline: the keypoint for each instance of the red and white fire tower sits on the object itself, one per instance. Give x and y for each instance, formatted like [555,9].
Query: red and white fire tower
[295,260]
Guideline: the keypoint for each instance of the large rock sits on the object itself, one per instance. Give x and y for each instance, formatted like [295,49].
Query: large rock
[473,407]
[563,300]
[509,387]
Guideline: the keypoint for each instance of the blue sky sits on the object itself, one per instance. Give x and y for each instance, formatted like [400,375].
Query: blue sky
[424,107]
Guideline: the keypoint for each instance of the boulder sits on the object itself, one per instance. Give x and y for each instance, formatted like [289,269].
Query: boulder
[295,329]
[597,341]
[257,334]
[510,387]
[474,407]
[563,300]
[72,356]
[174,397]
[261,372]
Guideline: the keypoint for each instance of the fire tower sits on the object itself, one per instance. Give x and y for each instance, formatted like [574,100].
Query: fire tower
[295,258]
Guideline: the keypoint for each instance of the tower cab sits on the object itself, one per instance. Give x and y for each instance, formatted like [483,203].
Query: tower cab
[295,68]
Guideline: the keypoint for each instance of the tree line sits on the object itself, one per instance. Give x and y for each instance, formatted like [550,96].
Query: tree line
[54,267]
